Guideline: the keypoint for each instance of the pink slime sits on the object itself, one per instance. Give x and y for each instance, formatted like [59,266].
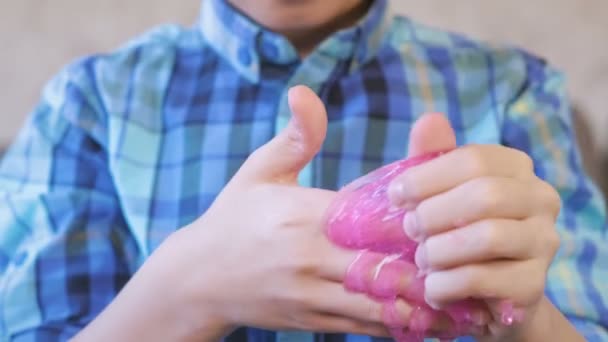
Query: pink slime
[362,218]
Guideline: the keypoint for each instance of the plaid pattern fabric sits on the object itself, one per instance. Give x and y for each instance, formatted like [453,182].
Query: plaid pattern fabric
[125,148]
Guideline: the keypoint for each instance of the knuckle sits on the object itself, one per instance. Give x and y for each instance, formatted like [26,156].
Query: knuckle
[474,158]
[492,241]
[537,287]
[553,241]
[489,195]
[374,311]
[526,162]
[472,282]
[552,198]
[522,161]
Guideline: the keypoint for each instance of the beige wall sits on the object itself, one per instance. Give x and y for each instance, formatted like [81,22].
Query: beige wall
[38,37]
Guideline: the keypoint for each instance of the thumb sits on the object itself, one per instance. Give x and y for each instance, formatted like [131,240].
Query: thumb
[283,157]
[431,133]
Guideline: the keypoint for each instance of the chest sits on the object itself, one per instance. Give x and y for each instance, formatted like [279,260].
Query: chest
[168,176]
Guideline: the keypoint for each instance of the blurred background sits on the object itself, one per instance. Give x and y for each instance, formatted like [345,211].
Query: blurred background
[39,37]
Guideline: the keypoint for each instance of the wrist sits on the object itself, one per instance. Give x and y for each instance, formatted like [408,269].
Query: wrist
[194,315]
[548,324]
[154,306]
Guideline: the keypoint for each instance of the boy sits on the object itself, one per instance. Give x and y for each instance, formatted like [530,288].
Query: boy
[173,190]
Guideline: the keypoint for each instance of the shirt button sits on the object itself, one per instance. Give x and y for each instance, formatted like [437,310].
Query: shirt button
[244,55]
[4,261]
[270,50]
[20,258]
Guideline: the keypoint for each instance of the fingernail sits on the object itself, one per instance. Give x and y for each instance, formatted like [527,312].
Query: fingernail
[396,194]
[422,258]
[479,318]
[296,133]
[411,225]
[395,314]
[432,304]
[478,330]
[409,206]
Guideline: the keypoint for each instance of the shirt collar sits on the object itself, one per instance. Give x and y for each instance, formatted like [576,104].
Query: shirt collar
[247,45]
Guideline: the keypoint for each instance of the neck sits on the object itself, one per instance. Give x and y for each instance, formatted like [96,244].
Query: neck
[306,39]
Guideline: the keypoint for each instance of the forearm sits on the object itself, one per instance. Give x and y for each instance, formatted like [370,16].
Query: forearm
[154,307]
[549,324]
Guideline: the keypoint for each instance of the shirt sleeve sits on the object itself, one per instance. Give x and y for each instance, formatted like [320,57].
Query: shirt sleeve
[65,249]
[539,122]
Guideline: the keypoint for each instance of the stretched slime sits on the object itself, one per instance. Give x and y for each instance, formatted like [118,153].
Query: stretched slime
[362,218]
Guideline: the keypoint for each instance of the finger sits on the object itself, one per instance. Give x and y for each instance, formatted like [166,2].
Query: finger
[480,199]
[419,329]
[331,324]
[422,319]
[431,133]
[314,203]
[334,300]
[456,167]
[521,282]
[332,261]
[469,312]
[282,158]
[385,277]
[381,225]
[481,241]
[379,274]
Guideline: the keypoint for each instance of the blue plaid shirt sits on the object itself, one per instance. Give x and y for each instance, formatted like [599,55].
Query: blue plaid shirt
[124,148]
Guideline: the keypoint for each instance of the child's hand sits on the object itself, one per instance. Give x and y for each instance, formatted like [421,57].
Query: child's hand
[258,257]
[263,257]
[486,227]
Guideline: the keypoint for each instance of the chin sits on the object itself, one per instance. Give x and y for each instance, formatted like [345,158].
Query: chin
[295,15]
[298,23]
[304,14]
[295,2]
